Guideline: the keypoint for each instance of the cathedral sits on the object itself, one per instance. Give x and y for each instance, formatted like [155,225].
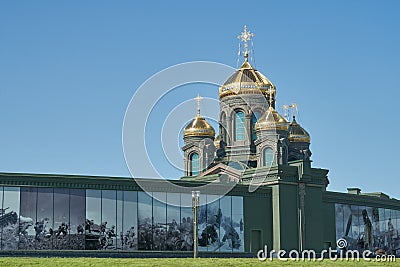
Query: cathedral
[251,132]
[258,189]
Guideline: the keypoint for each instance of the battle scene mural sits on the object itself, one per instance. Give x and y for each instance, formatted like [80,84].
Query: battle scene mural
[221,224]
[369,228]
[78,219]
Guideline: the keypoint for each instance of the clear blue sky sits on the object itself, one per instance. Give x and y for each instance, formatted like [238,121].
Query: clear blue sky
[68,70]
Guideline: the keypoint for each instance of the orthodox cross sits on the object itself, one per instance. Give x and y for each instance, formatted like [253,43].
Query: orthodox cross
[293,109]
[246,37]
[198,98]
[270,91]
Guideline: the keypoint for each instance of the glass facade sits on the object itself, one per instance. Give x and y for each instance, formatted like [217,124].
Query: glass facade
[221,224]
[368,228]
[78,219]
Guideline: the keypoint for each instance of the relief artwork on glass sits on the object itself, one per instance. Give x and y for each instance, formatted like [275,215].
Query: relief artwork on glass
[368,228]
[237,231]
[145,221]
[174,238]
[108,227]
[9,218]
[93,222]
[160,220]
[77,219]
[221,227]
[77,212]
[129,222]
[186,225]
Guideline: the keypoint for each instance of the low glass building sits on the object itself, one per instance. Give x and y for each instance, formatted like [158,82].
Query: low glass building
[42,214]
[83,213]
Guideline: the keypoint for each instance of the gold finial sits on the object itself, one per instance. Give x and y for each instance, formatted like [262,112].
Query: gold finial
[245,37]
[198,98]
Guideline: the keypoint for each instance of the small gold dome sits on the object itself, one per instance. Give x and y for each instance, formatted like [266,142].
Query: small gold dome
[297,133]
[199,127]
[246,80]
[272,120]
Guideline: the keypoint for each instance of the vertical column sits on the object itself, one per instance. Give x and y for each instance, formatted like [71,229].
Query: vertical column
[186,164]
[229,130]
[195,206]
[248,121]
[302,217]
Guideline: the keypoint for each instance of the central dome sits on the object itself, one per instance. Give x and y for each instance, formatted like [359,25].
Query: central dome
[246,80]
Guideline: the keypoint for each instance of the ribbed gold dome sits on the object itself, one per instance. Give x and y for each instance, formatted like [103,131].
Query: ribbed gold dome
[246,80]
[272,120]
[297,133]
[199,127]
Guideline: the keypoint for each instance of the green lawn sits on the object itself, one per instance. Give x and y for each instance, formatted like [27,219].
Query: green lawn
[61,262]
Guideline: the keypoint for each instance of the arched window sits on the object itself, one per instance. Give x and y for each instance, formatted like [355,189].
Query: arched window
[256,116]
[239,126]
[268,157]
[194,164]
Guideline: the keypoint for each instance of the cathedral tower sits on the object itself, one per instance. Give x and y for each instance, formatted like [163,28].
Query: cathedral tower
[244,98]
[251,132]
[199,149]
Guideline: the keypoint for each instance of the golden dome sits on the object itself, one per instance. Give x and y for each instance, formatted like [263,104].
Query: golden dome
[246,80]
[272,120]
[297,133]
[199,127]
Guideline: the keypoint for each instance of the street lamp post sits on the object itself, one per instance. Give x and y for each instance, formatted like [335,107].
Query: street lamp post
[195,206]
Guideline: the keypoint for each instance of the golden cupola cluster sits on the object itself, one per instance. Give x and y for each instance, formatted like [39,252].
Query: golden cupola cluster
[246,80]
[271,120]
[297,133]
[199,126]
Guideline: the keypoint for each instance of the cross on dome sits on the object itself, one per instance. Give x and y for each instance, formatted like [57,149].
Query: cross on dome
[245,37]
[198,98]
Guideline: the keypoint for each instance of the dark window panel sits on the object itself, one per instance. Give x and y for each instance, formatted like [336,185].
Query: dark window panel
[77,204]
[145,221]
[130,221]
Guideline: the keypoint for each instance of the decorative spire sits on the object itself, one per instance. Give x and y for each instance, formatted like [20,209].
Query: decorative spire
[246,37]
[270,91]
[198,98]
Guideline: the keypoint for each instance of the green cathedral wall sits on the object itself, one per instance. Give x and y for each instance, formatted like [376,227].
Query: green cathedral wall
[285,217]
[257,213]
[329,225]
[314,218]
